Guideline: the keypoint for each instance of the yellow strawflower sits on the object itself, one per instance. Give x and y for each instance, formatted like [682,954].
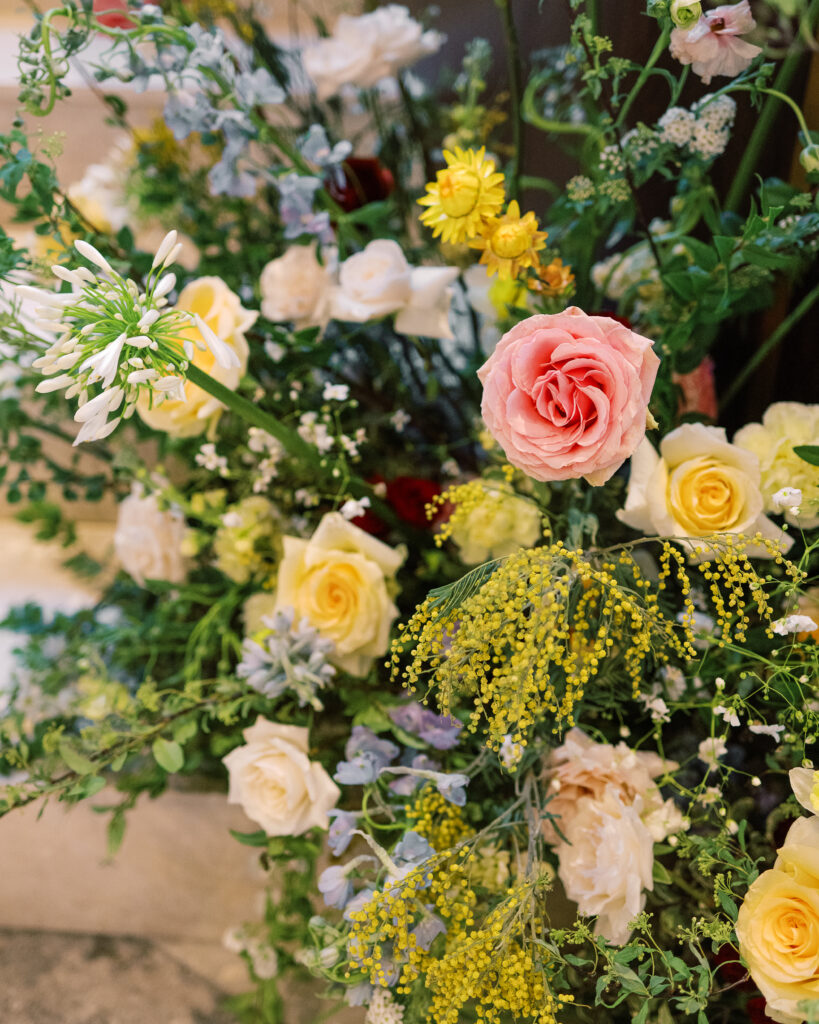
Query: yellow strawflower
[463,195]
[553,279]
[510,243]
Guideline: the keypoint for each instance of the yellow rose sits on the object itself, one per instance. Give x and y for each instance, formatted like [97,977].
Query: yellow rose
[338,581]
[778,925]
[784,425]
[496,526]
[698,485]
[222,311]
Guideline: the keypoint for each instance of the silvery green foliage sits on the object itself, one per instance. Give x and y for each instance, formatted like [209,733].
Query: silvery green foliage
[290,656]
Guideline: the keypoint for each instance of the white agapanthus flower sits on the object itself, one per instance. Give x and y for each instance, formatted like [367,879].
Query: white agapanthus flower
[290,655]
[112,333]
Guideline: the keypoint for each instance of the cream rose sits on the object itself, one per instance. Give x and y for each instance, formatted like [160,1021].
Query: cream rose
[372,283]
[362,50]
[276,783]
[148,539]
[699,485]
[222,311]
[296,286]
[607,862]
[426,313]
[496,526]
[784,425]
[778,925]
[337,580]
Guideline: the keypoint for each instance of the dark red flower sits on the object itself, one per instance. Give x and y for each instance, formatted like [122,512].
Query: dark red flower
[113,13]
[366,180]
[409,496]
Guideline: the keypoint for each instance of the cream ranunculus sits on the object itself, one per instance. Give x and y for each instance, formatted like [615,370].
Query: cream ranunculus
[607,862]
[337,580]
[372,283]
[581,768]
[785,425]
[778,925]
[222,311]
[497,526]
[699,485]
[296,286]
[276,783]
[148,539]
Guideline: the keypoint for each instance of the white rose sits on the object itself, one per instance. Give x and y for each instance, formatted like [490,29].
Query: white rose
[148,539]
[296,286]
[699,485]
[363,50]
[607,863]
[337,580]
[222,311]
[426,314]
[400,39]
[348,57]
[276,783]
[372,283]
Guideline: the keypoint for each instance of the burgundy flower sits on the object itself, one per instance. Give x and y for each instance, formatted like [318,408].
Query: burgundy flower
[409,496]
[366,180]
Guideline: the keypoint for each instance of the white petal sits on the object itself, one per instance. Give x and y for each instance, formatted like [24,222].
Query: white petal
[93,255]
[224,354]
[165,246]
[54,384]
[166,284]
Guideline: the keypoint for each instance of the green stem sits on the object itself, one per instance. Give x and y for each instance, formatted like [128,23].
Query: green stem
[513,70]
[769,345]
[760,136]
[659,49]
[297,447]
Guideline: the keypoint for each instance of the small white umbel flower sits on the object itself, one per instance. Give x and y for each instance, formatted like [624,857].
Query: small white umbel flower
[115,335]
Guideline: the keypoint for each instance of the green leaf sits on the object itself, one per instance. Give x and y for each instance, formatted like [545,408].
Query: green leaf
[444,600]
[168,754]
[116,832]
[76,761]
[661,874]
[250,838]
[808,453]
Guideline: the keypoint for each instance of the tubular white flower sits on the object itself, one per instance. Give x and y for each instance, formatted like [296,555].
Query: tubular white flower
[93,255]
[165,248]
[166,284]
[222,353]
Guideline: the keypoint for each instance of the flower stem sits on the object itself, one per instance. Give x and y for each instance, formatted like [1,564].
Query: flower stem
[514,74]
[656,53]
[294,445]
[769,345]
[760,135]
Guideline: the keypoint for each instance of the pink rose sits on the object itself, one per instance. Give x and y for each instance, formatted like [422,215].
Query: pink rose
[566,394]
[713,46]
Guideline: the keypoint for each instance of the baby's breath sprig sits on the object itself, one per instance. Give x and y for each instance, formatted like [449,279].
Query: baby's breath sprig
[113,333]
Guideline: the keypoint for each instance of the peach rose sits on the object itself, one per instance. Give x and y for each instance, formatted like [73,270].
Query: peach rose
[778,925]
[566,394]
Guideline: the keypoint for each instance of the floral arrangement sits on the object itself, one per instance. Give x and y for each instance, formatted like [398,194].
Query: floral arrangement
[431,546]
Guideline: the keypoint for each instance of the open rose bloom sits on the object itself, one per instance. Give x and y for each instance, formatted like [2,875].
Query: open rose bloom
[566,394]
[713,46]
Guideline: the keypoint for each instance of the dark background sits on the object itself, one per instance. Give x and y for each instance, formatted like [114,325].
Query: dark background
[791,372]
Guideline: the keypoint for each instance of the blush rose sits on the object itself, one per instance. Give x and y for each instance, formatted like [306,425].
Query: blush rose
[566,394]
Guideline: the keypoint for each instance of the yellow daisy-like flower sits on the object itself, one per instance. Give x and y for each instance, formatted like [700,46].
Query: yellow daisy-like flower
[466,193]
[553,279]
[510,243]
